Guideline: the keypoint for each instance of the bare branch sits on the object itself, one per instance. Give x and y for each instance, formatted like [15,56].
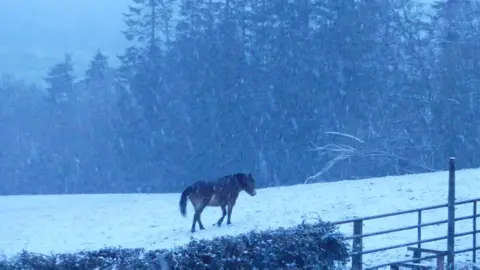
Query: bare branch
[329,165]
[334,148]
[345,135]
[343,151]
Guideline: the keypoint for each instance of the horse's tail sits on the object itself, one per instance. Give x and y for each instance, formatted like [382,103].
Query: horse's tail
[183,200]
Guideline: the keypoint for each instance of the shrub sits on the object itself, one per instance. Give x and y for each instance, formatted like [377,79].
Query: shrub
[306,246]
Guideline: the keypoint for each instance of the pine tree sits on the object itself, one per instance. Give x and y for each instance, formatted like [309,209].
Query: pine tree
[60,81]
[456,77]
[147,100]
[98,71]
[64,140]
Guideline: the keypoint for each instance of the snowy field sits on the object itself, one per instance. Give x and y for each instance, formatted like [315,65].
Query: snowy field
[68,223]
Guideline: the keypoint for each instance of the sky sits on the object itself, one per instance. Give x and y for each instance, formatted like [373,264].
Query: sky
[35,34]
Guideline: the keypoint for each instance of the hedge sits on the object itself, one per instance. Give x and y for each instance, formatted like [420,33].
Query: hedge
[305,246]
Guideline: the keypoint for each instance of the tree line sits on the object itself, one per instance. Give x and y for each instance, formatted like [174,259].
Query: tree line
[293,91]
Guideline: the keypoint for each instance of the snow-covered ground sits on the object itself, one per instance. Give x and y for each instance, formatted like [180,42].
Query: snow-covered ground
[67,223]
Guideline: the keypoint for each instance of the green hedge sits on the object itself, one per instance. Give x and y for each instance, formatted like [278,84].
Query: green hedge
[306,246]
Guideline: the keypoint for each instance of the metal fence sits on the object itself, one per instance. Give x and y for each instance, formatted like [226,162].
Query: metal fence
[358,236]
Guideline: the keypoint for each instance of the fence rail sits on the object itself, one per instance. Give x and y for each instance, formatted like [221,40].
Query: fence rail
[358,235]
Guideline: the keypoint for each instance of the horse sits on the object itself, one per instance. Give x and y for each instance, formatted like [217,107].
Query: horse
[222,192]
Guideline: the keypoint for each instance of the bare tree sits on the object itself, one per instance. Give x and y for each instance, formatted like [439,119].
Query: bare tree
[342,151]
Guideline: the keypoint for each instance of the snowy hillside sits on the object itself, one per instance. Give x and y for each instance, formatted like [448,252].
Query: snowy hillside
[66,223]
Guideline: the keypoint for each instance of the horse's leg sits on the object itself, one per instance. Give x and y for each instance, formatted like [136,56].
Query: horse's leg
[200,210]
[224,213]
[195,216]
[231,204]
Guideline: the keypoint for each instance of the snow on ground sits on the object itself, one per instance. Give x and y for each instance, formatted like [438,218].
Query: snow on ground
[68,223]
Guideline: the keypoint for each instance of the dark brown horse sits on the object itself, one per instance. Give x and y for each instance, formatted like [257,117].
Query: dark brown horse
[222,192]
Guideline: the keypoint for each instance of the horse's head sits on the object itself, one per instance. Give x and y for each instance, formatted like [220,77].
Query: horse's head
[249,184]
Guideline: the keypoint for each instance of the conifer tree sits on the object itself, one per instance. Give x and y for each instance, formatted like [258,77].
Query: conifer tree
[60,81]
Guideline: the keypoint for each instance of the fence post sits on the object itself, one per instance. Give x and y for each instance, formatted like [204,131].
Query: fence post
[474,252]
[357,245]
[451,216]
[417,254]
